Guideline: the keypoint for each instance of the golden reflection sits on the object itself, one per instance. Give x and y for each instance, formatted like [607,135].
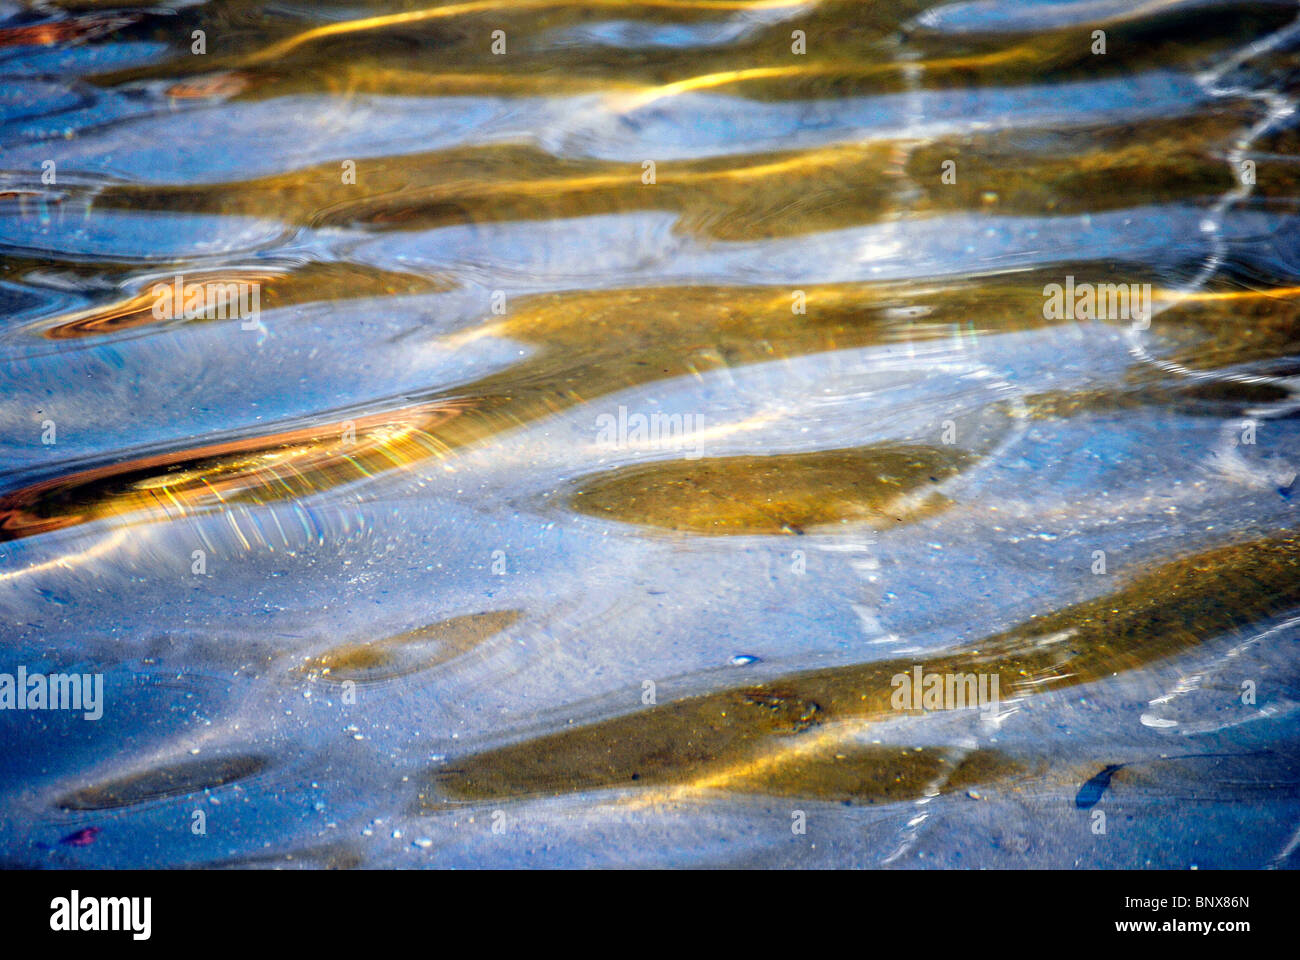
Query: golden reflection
[287,465]
[276,288]
[277,51]
[376,661]
[726,78]
[748,738]
[853,48]
[747,196]
[778,493]
[593,343]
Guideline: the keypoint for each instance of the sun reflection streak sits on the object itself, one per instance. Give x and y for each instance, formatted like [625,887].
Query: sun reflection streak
[364,24]
[255,471]
[70,561]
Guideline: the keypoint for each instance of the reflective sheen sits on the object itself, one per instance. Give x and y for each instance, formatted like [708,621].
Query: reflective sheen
[577,432]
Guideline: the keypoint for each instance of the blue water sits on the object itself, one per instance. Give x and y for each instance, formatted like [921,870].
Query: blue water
[332,561]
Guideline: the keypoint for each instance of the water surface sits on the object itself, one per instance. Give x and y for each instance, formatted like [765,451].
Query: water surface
[631,396]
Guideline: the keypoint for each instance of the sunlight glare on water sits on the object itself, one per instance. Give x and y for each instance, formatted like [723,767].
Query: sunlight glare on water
[557,433]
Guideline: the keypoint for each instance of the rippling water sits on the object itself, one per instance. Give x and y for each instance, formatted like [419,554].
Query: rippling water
[591,410]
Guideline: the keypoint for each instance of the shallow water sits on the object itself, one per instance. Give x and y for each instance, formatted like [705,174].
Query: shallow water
[620,414]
